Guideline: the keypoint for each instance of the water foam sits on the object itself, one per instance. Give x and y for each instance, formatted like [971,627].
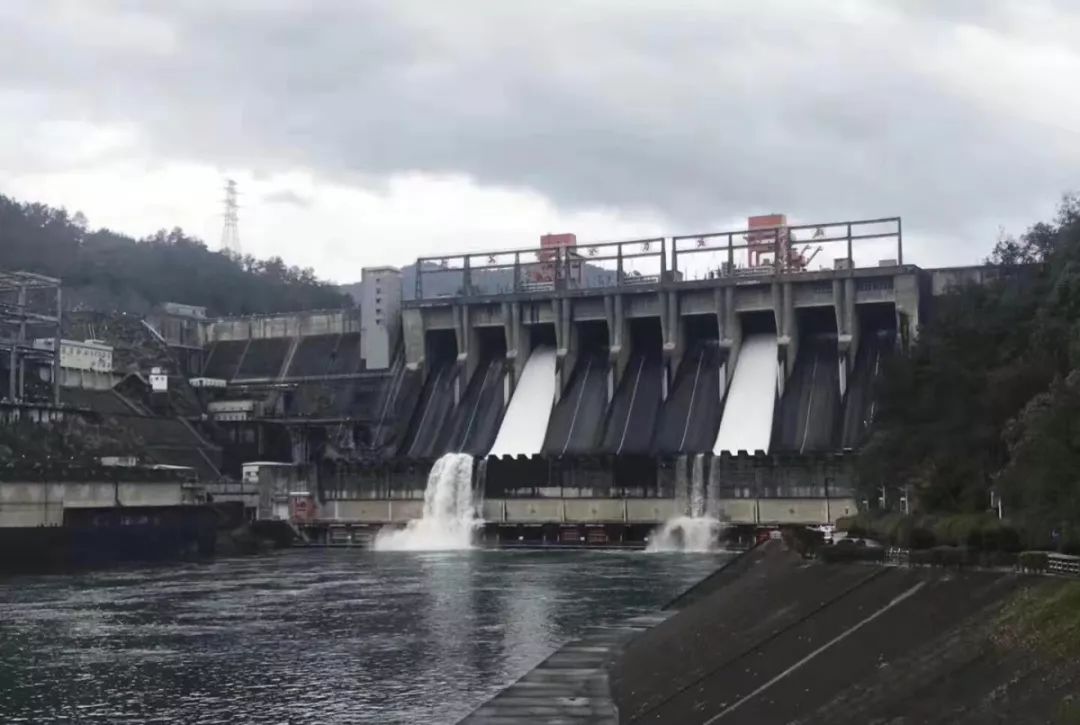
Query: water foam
[685,533]
[698,532]
[449,519]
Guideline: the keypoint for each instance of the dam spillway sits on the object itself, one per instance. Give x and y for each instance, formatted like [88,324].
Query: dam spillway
[690,417]
[645,355]
[476,419]
[605,375]
[524,427]
[578,419]
[747,421]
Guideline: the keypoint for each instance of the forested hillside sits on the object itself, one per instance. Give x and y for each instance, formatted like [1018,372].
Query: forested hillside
[108,271]
[989,399]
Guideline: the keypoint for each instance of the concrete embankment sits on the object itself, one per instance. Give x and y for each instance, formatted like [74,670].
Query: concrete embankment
[776,639]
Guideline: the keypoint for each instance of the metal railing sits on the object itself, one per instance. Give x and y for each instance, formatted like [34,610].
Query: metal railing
[542,269]
[752,253]
[1063,564]
[773,250]
[1059,564]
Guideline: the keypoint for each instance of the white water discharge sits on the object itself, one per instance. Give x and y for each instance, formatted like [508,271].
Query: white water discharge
[685,533]
[697,486]
[697,532]
[525,424]
[449,518]
[748,416]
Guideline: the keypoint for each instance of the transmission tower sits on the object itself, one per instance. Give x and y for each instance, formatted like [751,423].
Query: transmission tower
[230,232]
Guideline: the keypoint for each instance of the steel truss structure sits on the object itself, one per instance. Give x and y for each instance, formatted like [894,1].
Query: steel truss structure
[30,309]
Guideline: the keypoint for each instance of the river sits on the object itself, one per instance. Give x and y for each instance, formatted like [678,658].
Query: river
[329,636]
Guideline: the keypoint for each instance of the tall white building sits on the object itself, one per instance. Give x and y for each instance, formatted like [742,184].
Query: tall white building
[380,314]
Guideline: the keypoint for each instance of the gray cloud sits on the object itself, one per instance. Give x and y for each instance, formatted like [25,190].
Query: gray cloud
[289,197]
[700,112]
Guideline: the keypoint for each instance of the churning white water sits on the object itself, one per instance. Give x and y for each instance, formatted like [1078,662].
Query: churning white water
[449,518]
[697,532]
[526,421]
[685,533]
[747,421]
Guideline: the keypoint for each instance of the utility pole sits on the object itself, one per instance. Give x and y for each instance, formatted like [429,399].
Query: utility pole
[230,232]
[996,504]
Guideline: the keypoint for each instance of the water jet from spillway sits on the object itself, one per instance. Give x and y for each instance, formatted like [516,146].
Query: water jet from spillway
[686,533]
[747,421]
[450,517]
[526,421]
[697,532]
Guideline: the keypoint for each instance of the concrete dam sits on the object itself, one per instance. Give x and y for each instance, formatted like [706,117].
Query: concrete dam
[601,389]
[598,387]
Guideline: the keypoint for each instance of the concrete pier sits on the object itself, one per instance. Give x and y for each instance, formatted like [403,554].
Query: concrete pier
[738,273]
[846,292]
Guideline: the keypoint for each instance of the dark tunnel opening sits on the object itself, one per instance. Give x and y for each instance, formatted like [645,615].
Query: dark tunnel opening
[490,342]
[700,327]
[541,334]
[754,323]
[816,321]
[592,336]
[876,317]
[441,346]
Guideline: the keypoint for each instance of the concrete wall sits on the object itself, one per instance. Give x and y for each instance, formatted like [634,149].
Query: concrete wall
[87,379]
[945,279]
[288,324]
[43,504]
[725,297]
[599,510]
[372,512]
[771,511]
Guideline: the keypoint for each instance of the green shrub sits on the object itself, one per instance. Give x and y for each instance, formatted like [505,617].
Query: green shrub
[1033,561]
[920,537]
[995,559]
[833,553]
[923,557]
[871,553]
[803,540]
[855,526]
[996,536]
[953,556]
[849,551]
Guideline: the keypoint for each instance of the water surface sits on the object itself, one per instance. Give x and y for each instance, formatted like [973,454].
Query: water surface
[310,636]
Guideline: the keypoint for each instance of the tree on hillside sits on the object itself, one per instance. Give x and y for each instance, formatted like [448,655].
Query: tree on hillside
[110,271]
[989,398]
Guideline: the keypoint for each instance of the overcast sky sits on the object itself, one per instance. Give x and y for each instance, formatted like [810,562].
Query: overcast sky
[366,133]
